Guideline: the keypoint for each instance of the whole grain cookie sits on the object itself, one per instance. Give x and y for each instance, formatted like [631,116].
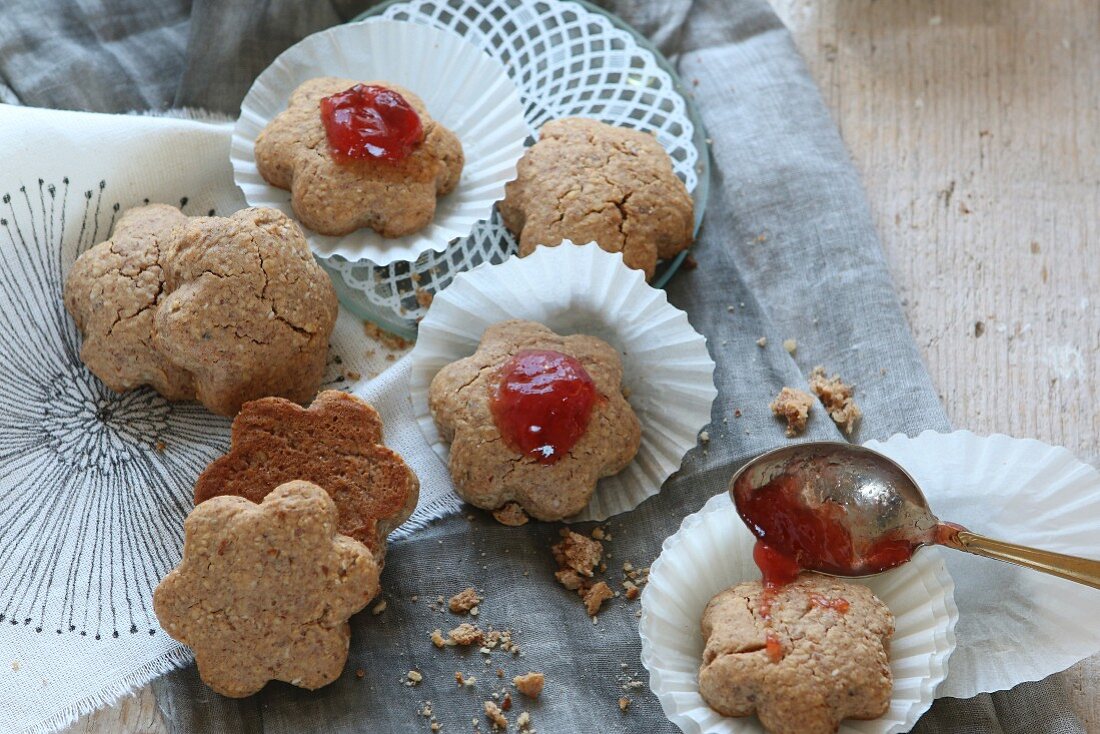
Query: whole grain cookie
[337,195]
[488,466]
[112,292]
[336,444]
[264,591]
[217,309]
[587,181]
[818,656]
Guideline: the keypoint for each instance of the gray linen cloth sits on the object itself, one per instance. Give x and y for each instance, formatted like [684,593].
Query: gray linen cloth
[788,250]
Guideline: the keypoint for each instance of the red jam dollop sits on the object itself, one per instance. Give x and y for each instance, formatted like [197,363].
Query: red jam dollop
[542,403]
[368,121]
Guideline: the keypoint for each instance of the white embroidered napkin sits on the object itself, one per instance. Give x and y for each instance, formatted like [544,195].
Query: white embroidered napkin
[95,485]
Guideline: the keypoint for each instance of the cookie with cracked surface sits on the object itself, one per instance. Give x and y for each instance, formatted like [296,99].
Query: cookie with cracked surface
[336,196]
[587,181]
[336,444]
[222,310]
[249,311]
[264,592]
[827,658]
[112,292]
[489,468]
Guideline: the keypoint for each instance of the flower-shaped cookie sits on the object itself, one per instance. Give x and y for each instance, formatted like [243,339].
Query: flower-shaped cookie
[587,181]
[487,467]
[337,444]
[264,591]
[820,657]
[218,309]
[337,196]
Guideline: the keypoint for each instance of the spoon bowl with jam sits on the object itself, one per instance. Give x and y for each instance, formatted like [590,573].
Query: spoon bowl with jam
[846,510]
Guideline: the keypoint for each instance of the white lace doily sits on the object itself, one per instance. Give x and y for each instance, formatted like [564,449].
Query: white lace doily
[566,61]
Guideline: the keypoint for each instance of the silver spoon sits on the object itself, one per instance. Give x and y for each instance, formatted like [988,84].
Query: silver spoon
[872,515]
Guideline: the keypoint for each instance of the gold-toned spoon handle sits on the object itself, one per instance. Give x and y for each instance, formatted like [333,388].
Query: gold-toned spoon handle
[1082,570]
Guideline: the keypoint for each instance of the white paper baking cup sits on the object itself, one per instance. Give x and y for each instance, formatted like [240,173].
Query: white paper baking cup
[583,290]
[712,551]
[463,88]
[1015,625]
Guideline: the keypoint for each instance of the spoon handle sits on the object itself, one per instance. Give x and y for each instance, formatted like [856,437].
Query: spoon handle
[1082,570]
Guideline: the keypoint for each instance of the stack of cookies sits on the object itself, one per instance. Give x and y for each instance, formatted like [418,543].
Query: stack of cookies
[286,542]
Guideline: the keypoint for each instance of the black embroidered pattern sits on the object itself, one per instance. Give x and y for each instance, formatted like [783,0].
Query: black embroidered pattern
[94,485]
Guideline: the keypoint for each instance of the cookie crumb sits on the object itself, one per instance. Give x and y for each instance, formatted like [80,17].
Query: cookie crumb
[464,601]
[577,552]
[353,375]
[494,714]
[837,397]
[529,684]
[624,704]
[160,446]
[510,514]
[388,340]
[359,672]
[793,406]
[414,677]
[466,634]
[762,341]
[790,345]
[596,595]
[523,722]
[704,437]
[437,639]
[378,608]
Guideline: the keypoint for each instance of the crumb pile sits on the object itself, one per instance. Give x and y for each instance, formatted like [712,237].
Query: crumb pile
[794,405]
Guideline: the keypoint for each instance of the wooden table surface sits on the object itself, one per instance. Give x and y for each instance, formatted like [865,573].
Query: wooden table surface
[976,127]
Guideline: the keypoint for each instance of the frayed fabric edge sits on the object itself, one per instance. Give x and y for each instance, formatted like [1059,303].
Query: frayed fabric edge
[166,663]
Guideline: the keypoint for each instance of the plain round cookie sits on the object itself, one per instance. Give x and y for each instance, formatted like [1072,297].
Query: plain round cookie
[394,198]
[586,181]
[486,472]
[833,665]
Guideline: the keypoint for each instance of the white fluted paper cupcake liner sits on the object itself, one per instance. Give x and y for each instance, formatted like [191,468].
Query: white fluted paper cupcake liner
[1015,625]
[463,88]
[712,551]
[583,290]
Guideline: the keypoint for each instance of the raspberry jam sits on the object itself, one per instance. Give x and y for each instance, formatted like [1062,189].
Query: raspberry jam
[370,122]
[815,537]
[542,403]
